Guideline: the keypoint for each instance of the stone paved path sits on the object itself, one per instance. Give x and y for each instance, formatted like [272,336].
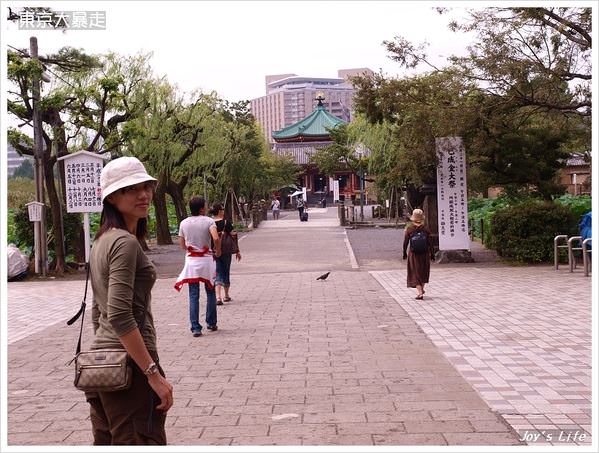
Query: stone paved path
[349,361]
[520,336]
[295,362]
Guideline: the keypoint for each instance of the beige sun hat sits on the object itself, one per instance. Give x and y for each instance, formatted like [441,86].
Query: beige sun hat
[122,172]
[417,216]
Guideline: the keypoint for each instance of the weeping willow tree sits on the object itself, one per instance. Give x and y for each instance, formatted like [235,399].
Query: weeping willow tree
[250,170]
[179,138]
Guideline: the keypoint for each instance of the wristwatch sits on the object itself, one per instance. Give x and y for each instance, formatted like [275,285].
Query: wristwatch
[151,369]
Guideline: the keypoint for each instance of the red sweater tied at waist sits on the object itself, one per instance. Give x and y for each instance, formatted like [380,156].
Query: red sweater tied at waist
[204,251]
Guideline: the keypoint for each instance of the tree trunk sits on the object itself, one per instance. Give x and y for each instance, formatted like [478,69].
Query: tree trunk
[59,144]
[230,205]
[415,197]
[163,234]
[79,246]
[176,192]
[57,229]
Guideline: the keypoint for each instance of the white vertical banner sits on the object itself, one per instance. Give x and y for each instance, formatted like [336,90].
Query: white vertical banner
[83,193]
[335,190]
[452,194]
[82,180]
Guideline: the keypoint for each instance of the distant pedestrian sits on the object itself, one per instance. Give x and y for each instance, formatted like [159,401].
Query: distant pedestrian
[197,233]
[417,238]
[300,206]
[323,202]
[276,207]
[223,262]
[122,277]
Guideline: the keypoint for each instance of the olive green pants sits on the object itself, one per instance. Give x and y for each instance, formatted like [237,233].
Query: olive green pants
[128,417]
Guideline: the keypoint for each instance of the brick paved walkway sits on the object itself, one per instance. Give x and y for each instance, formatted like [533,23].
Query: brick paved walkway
[301,362]
[521,336]
[295,362]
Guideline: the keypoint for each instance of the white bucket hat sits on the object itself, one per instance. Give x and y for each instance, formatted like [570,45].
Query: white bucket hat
[122,172]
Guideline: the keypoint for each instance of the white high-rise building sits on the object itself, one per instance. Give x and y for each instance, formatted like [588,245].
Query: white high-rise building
[13,160]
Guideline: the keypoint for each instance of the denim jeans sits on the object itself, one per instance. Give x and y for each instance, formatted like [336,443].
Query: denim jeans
[194,306]
[223,270]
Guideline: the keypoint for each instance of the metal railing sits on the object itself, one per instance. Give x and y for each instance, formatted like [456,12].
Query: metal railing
[556,248]
[586,252]
[570,246]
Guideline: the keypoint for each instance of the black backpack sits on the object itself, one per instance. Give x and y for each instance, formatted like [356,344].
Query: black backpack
[419,241]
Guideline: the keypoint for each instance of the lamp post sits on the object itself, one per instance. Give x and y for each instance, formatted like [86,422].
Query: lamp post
[361,188]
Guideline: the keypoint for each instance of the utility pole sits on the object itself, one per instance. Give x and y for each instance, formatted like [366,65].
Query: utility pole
[41,245]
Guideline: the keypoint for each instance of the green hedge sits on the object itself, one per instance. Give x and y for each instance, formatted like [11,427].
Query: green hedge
[525,232]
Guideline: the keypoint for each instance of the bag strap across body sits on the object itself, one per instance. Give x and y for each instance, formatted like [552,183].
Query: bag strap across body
[81,313]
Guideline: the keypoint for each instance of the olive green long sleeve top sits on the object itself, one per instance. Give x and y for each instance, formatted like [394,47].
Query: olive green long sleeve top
[122,278]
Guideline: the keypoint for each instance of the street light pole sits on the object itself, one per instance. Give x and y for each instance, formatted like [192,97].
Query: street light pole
[41,252]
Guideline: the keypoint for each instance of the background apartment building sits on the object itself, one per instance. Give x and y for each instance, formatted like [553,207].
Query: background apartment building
[290,98]
[13,160]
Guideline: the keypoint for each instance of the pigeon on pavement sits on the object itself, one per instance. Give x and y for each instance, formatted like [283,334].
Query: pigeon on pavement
[323,276]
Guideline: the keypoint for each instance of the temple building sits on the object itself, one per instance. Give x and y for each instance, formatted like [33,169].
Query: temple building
[301,140]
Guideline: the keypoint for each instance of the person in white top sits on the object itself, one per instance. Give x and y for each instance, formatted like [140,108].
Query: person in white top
[196,234]
[276,206]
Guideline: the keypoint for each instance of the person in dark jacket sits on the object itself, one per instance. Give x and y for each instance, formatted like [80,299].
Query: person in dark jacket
[417,238]
[301,206]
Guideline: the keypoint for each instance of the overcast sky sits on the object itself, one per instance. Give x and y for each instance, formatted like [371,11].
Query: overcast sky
[230,46]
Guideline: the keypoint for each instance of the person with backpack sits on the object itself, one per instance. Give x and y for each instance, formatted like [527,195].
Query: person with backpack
[418,250]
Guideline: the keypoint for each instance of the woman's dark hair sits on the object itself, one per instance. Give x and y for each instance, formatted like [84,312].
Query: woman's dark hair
[111,217]
[216,207]
[196,204]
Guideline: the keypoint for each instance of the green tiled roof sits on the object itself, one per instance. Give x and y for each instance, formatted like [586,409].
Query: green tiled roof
[314,125]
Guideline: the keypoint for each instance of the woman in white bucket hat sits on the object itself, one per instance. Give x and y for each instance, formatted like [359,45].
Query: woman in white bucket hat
[122,278]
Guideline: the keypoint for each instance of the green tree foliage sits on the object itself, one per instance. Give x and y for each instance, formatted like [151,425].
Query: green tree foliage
[520,152]
[179,138]
[250,169]
[521,100]
[539,57]
[402,118]
[84,107]
[21,70]
[342,154]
